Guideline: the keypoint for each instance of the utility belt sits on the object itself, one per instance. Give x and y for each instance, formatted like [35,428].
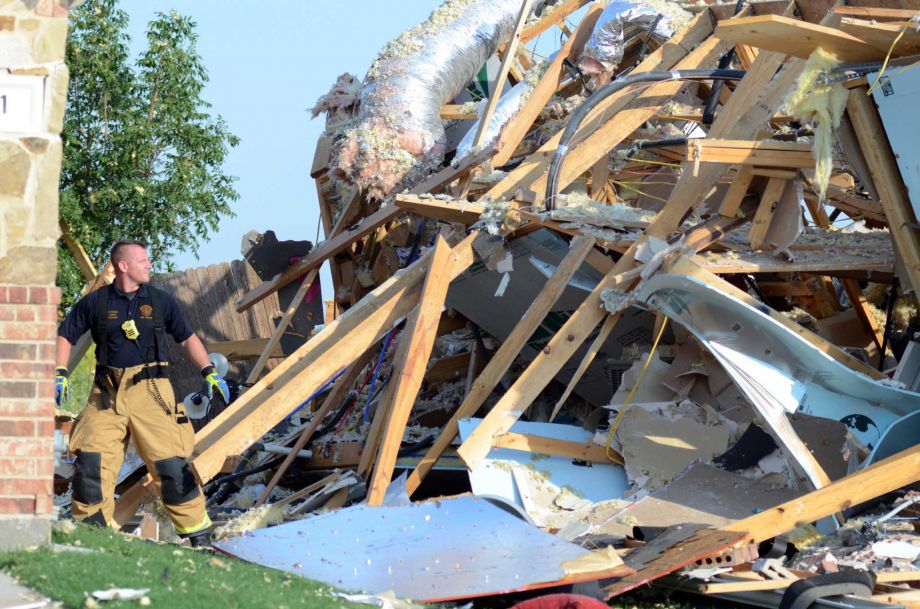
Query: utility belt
[107,376]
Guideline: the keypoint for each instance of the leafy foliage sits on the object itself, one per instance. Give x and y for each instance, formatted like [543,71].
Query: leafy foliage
[143,156]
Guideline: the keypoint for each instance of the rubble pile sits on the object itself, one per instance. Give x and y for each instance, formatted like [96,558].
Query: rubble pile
[655,323]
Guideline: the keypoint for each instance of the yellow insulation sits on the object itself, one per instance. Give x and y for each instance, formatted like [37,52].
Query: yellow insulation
[815,101]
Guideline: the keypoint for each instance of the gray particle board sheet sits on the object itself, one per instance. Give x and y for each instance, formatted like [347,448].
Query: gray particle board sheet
[456,548]
[473,295]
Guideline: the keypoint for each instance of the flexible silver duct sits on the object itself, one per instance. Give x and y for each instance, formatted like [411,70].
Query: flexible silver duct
[399,136]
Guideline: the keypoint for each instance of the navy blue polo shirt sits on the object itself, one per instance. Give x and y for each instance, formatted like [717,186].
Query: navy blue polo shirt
[123,352]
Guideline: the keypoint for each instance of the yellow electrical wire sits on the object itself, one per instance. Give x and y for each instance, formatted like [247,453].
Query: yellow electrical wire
[636,190]
[632,392]
[878,76]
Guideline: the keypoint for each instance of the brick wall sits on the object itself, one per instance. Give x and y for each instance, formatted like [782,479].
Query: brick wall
[33,87]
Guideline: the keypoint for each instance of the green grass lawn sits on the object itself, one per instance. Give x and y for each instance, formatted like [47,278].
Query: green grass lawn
[176,577]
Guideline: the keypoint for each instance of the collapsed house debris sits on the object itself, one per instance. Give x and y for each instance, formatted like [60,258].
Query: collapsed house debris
[645,314]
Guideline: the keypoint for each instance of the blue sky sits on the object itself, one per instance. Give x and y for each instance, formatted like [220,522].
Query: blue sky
[268,62]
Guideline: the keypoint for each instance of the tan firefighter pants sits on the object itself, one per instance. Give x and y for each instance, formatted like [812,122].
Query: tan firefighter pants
[147,410]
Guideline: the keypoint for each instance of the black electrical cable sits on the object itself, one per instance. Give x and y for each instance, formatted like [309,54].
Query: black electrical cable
[648,39]
[645,144]
[835,214]
[892,297]
[575,121]
[709,110]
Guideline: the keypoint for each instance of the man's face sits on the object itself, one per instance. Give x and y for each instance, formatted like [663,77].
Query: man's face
[135,264]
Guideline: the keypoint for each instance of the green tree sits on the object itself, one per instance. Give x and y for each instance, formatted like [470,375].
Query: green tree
[143,156]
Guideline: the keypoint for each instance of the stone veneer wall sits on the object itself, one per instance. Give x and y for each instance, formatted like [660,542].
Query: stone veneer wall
[33,36]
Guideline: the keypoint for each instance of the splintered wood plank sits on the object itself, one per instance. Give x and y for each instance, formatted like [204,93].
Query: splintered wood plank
[736,192]
[556,15]
[594,453]
[249,348]
[663,58]
[339,344]
[887,179]
[761,153]
[797,38]
[702,544]
[86,266]
[318,255]
[455,112]
[874,481]
[489,378]
[509,52]
[592,352]
[822,263]
[409,365]
[882,36]
[514,131]
[321,156]
[462,212]
[765,212]
[876,13]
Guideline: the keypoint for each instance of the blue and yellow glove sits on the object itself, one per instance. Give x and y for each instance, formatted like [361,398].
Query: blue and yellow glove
[212,381]
[61,388]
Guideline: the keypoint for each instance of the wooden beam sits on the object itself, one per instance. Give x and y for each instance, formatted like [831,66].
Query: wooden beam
[86,266]
[409,366]
[277,393]
[764,153]
[794,37]
[731,203]
[509,53]
[663,58]
[887,178]
[250,348]
[513,133]
[455,112]
[765,212]
[455,211]
[874,481]
[318,255]
[900,39]
[501,362]
[594,453]
[876,13]
[609,322]
[555,15]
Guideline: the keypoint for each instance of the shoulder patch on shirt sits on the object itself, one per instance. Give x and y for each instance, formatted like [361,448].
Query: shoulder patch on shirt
[146,311]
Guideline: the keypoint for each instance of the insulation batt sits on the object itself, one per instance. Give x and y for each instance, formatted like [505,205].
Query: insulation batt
[399,137]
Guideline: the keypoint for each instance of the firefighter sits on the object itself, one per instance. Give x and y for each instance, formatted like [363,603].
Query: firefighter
[132,395]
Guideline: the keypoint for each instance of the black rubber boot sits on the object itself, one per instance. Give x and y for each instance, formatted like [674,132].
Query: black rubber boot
[97,520]
[199,539]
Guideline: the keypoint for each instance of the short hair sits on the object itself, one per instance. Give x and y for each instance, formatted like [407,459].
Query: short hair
[115,254]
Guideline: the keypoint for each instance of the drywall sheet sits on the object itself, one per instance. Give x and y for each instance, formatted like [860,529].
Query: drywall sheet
[455,548]
[547,488]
